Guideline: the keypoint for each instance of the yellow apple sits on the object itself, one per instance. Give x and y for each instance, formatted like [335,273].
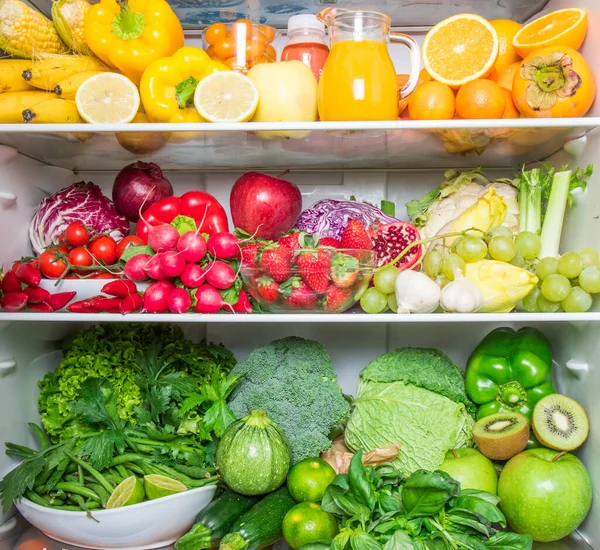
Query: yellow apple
[287,92]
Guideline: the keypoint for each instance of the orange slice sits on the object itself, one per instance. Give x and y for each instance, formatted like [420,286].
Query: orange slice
[460,49]
[563,27]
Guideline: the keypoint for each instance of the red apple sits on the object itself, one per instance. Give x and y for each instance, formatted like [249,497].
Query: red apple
[265,206]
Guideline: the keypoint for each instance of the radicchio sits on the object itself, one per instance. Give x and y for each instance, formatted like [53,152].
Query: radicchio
[83,202]
[329,217]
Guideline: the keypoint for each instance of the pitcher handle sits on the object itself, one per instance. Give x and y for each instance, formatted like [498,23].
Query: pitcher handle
[415,61]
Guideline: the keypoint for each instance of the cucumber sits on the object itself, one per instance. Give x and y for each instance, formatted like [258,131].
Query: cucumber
[261,525]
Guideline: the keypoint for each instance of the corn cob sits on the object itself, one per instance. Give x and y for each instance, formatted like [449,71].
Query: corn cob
[68,17]
[25,32]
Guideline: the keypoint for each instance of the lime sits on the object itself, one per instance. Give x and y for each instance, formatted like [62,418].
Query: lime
[309,478]
[129,491]
[306,523]
[158,486]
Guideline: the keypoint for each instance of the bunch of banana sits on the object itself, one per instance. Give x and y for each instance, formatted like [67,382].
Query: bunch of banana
[11,79]
[68,87]
[37,107]
[46,73]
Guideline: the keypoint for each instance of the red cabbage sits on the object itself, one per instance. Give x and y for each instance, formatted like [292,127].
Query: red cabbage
[83,202]
[329,217]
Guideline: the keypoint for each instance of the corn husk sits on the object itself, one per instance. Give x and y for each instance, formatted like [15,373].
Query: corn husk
[339,456]
[501,285]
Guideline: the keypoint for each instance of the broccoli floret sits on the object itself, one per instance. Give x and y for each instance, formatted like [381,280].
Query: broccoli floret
[293,381]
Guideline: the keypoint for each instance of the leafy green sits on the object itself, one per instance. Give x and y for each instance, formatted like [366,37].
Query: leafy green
[17,481]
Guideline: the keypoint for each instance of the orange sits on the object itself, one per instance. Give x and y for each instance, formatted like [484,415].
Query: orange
[460,49]
[510,111]
[563,27]
[554,82]
[306,523]
[507,55]
[431,101]
[309,478]
[506,77]
[401,80]
[480,99]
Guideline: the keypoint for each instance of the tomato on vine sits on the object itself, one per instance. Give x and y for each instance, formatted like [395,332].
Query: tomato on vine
[50,263]
[104,249]
[126,242]
[80,256]
[76,234]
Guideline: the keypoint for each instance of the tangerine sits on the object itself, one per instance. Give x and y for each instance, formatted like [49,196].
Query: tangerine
[480,98]
[431,101]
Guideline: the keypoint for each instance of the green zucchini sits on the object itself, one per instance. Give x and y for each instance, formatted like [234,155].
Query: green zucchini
[261,525]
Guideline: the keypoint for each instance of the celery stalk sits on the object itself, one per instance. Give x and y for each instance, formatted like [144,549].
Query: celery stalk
[530,200]
[555,214]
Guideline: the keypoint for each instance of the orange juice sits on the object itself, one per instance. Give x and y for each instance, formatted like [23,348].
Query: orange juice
[358,82]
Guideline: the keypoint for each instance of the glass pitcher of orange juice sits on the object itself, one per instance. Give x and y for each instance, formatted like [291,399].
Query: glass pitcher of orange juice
[359,80]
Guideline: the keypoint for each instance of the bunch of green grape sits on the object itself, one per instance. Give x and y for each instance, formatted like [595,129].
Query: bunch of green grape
[381,296]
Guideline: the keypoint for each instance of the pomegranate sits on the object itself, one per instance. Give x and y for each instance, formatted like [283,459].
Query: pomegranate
[391,239]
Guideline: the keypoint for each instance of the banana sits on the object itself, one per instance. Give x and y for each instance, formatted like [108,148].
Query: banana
[10,75]
[12,104]
[46,73]
[68,87]
[52,111]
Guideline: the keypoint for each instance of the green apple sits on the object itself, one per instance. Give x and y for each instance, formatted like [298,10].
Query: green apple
[545,494]
[471,469]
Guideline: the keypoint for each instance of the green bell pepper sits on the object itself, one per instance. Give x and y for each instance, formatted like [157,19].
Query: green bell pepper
[510,371]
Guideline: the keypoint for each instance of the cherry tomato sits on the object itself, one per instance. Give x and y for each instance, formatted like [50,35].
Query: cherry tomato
[76,234]
[225,48]
[269,32]
[103,275]
[241,29]
[126,242]
[80,256]
[270,51]
[104,249]
[215,32]
[50,265]
[211,51]
[254,49]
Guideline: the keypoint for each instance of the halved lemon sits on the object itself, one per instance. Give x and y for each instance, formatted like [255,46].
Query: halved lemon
[226,96]
[559,28]
[107,98]
[460,49]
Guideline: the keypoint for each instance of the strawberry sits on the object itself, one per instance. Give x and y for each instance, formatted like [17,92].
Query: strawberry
[297,294]
[336,298]
[344,270]
[355,236]
[314,266]
[267,288]
[297,239]
[250,253]
[277,261]
[329,241]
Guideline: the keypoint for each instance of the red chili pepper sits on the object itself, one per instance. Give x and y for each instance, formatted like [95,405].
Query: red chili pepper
[120,288]
[207,212]
[59,300]
[29,274]
[109,305]
[10,283]
[131,303]
[36,294]
[42,307]
[15,301]
[83,306]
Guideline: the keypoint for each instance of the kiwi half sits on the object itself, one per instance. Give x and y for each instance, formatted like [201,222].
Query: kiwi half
[559,422]
[501,436]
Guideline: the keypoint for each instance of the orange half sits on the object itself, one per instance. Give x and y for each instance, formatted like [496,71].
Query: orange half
[460,49]
[563,27]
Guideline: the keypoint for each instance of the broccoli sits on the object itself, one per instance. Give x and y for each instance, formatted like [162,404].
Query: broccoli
[293,381]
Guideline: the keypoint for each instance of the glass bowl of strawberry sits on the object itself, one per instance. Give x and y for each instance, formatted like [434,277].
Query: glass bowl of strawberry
[306,280]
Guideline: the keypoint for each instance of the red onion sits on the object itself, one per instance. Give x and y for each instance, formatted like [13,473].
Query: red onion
[140,183]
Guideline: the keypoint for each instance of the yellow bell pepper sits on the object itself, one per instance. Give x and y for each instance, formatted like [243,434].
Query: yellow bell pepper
[130,35]
[168,85]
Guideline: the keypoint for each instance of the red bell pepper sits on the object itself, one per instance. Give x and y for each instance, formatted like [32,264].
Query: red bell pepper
[203,208]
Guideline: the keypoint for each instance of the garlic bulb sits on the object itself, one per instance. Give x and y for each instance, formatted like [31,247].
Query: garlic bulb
[416,293]
[461,296]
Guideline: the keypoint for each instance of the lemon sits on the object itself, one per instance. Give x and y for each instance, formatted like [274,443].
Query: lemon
[107,98]
[158,486]
[129,491]
[226,97]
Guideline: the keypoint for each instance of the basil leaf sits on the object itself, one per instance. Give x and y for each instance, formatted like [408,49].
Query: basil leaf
[328,502]
[340,541]
[426,493]
[341,480]
[360,484]
[471,542]
[400,541]
[359,540]
[464,518]
[437,541]
[483,495]
[132,251]
[390,502]
[489,511]
[391,524]
[414,526]
[509,541]
[352,507]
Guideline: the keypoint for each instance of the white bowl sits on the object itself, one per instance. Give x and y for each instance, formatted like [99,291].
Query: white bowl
[151,524]
[85,288]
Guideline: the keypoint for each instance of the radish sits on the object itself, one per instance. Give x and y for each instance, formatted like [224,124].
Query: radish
[224,245]
[172,263]
[135,268]
[208,300]
[163,237]
[179,300]
[192,276]
[154,269]
[132,303]
[220,275]
[192,246]
[16,301]
[243,304]
[156,297]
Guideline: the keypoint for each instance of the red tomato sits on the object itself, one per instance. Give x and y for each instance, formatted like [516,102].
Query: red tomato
[76,234]
[104,249]
[80,256]
[126,242]
[49,263]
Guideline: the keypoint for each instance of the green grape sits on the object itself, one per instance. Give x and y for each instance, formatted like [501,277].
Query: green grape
[589,279]
[570,265]
[502,249]
[530,301]
[373,301]
[385,279]
[470,249]
[392,304]
[528,244]
[577,301]
[518,260]
[546,267]
[451,263]
[546,306]
[556,288]
[432,263]
[589,257]
[500,231]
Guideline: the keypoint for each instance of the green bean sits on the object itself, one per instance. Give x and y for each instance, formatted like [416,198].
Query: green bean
[77,489]
[41,435]
[196,472]
[80,473]
[93,472]
[70,478]
[85,507]
[71,468]
[134,468]
[104,495]
[19,451]
[57,502]
[36,499]
[58,474]
[122,471]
